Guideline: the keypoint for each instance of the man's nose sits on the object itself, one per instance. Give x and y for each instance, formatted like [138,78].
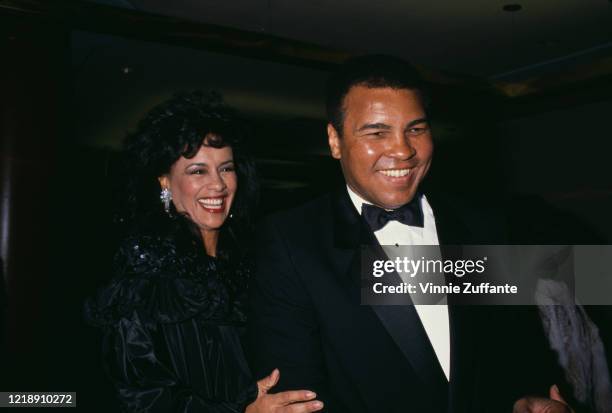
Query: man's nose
[401,147]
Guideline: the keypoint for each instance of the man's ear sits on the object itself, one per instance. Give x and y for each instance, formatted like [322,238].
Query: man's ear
[333,139]
[164,182]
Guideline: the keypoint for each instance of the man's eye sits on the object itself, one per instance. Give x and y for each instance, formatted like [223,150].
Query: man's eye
[376,134]
[416,131]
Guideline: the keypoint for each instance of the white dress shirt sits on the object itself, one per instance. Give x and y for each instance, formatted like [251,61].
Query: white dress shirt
[433,317]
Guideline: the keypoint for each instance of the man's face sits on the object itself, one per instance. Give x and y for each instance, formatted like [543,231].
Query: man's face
[386,146]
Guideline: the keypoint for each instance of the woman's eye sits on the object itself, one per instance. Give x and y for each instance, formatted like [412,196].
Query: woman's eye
[228,169]
[197,172]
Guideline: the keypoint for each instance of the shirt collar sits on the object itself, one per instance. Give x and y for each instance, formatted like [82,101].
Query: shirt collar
[359,201]
[356,199]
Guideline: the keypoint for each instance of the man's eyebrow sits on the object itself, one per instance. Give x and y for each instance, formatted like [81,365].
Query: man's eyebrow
[416,122]
[374,126]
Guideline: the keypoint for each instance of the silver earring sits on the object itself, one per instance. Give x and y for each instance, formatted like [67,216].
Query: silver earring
[166,196]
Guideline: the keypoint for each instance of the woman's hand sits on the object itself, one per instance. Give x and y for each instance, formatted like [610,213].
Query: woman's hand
[295,401]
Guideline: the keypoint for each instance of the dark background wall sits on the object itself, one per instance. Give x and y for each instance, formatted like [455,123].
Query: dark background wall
[563,156]
[75,80]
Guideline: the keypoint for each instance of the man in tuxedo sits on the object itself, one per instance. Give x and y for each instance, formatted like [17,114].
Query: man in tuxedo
[306,316]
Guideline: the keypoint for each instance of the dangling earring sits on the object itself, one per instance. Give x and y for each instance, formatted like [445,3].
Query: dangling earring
[166,196]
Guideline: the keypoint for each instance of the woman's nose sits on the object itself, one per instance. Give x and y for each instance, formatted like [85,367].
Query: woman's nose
[217,183]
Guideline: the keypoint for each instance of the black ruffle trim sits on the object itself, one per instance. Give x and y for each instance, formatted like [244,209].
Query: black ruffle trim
[163,285]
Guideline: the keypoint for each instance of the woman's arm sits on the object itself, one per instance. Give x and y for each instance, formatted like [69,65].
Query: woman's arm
[146,384]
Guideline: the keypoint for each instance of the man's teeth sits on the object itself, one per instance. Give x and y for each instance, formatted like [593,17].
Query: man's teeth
[395,172]
[211,202]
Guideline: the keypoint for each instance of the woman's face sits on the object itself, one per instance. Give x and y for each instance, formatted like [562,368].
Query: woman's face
[203,187]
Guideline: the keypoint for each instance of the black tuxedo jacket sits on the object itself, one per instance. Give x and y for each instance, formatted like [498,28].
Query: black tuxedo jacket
[306,320]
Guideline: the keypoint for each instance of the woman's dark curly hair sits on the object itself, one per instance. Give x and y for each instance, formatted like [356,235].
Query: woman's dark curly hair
[179,127]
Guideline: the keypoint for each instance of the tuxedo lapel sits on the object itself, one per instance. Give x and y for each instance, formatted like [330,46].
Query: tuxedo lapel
[464,329]
[401,322]
[465,321]
[404,325]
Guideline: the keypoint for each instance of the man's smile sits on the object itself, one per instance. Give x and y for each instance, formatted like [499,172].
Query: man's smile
[383,154]
[397,173]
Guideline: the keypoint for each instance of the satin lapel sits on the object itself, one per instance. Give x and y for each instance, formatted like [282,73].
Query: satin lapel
[453,233]
[404,326]
[465,327]
[347,232]
[401,322]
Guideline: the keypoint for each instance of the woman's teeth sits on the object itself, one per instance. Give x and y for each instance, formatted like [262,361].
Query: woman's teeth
[395,172]
[212,203]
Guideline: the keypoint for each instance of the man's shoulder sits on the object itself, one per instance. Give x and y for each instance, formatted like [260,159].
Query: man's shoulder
[465,219]
[308,213]
[305,224]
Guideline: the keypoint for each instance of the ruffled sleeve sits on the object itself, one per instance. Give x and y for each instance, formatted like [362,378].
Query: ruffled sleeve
[155,288]
[163,286]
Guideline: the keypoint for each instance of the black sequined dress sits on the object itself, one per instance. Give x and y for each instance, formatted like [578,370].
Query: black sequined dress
[172,320]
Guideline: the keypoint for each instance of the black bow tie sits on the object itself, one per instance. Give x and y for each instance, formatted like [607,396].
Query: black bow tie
[409,214]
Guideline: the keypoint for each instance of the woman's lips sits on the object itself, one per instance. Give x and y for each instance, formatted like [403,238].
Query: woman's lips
[214,205]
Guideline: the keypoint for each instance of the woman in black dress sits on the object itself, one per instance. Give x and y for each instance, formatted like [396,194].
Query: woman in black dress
[173,316]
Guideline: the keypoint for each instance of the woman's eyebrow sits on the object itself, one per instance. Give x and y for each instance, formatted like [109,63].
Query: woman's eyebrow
[196,164]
